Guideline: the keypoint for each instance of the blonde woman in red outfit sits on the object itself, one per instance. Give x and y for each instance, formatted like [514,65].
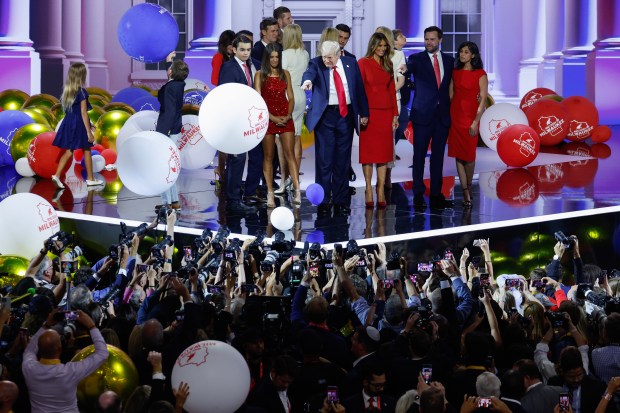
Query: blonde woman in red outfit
[377,138]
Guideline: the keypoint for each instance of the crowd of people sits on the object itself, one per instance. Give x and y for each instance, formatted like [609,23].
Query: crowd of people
[351,329]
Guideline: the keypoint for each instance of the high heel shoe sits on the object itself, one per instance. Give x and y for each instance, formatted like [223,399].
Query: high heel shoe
[286,185]
[271,202]
[467,202]
[371,203]
[297,198]
[381,204]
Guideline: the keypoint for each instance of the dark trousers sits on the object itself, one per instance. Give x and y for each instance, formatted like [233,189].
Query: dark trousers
[255,169]
[422,135]
[333,139]
[234,175]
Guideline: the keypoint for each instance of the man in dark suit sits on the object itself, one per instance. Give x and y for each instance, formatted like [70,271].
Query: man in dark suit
[371,397]
[269,31]
[237,70]
[344,34]
[539,397]
[430,115]
[270,393]
[338,101]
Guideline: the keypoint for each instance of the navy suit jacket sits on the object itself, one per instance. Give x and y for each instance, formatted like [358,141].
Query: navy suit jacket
[170,98]
[257,54]
[231,72]
[427,95]
[346,53]
[318,74]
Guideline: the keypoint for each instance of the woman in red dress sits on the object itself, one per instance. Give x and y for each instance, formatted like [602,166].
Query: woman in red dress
[275,86]
[377,138]
[468,91]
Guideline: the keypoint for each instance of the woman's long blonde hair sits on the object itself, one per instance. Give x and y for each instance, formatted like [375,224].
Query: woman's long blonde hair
[389,36]
[328,33]
[291,37]
[74,83]
[373,43]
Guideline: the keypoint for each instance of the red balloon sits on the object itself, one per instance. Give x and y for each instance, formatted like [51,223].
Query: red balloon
[109,155]
[550,177]
[533,95]
[517,187]
[78,155]
[43,156]
[601,134]
[518,145]
[409,133]
[580,173]
[109,176]
[98,147]
[46,189]
[550,120]
[601,150]
[582,116]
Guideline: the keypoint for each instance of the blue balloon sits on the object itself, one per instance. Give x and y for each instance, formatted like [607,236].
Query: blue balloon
[146,103]
[10,121]
[315,194]
[316,236]
[194,97]
[8,179]
[130,94]
[148,32]
[93,152]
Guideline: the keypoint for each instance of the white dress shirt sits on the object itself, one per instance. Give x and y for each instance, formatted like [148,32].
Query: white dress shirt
[333,96]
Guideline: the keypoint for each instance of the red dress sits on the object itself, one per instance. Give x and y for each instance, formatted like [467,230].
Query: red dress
[377,138]
[273,90]
[463,110]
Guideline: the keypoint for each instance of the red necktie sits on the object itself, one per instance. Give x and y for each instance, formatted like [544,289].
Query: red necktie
[248,76]
[342,97]
[437,71]
[371,402]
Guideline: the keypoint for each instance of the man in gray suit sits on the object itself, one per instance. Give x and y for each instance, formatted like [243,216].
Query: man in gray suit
[539,397]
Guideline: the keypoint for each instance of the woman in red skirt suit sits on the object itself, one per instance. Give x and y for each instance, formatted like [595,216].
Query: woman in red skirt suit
[274,85]
[377,138]
[468,91]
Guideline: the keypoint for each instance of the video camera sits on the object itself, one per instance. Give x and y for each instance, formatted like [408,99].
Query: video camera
[219,240]
[568,242]
[282,245]
[268,264]
[159,250]
[58,242]
[203,239]
[557,320]
[232,250]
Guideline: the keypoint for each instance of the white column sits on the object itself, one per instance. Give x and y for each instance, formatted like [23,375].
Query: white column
[246,21]
[72,31]
[533,44]
[554,43]
[93,43]
[357,31]
[21,67]
[412,17]
[47,36]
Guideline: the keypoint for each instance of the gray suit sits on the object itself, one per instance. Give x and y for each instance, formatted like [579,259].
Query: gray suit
[541,399]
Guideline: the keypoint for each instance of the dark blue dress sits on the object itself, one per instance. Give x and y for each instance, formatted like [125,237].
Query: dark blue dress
[72,132]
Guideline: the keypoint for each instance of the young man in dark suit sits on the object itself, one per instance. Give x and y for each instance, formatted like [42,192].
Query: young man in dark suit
[344,34]
[271,392]
[269,32]
[371,397]
[430,115]
[338,102]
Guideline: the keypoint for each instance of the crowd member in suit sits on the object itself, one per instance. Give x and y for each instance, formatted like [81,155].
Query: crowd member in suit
[283,17]
[344,34]
[377,139]
[430,114]
[275,86]
[271,392]
[269,32]
[170,98]
[512,390]
[338,99]
[371,397]
[539,397]
[294,59]
[237,70]
[364,345]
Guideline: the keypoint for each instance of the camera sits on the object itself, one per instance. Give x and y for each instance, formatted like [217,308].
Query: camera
[567,241]
[332,394]
[71,315]
[219,240]
[538,284]
[524,321]
[268,264]
[58,242]
[388,283]
[68,267]
[297,272]
[614,274]
[513,283]
[448,255]
[230,252]
[314,252]
[204,238]
[423,322]
[281,245]
[159,250]
[557,320]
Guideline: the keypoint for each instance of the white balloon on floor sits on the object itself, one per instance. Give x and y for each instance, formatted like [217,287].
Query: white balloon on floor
[145,120]
[149,163]
[98,163]
[497,118]
[196,153]
[28,220]
[233,118]
[218,376]
[23,167]
[282,218]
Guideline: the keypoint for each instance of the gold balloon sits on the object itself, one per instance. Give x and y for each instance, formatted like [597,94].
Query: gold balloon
[58,112]
[12,99]
[46,113]
[36,116]
[490,101]
[189,109]
[93,90]
[307,137]
[108,126]
[117,373]
[154,92]
[98,100]
[95,113]
[145,87]
[22,138]
[14,265]
[42,99]
[119,106]
[557,98]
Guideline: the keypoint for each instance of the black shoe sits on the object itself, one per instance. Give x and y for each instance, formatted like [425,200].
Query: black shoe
[440,202]
[256,199]
[342,210]
[238,206]
[323,209]
[418,201]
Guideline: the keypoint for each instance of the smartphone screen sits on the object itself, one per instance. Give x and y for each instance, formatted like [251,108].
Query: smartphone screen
[248,288]
[564,402]
[142,268]
[388,283]
[427,373]
[332,394]
[187,250]
[214,289]
[68,267]
[484,402]
[448,255]
[476,261]
[425,267]
[484,280]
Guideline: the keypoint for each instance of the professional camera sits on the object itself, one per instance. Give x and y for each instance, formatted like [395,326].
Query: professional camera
[424,322]
[352,249]
[232,250]
[268,264]
[126,237]
[58,242]
[159,250]
[281,245]
[567,241]
[255,249]
[186,271]
[297,272]
[219,240]
[314,252]
[557,320]
[523,321]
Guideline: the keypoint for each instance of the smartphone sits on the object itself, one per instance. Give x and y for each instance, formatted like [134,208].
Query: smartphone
[68,267]
[187,250]
[314,271]
[388,283]
[142,268]
[476,243]
[484,280]
[475,261]
[425,267]
[338,248]
[332,394]
[266,267]
[71,315]
[448,255]
[248,288]
[484,402]
[427,373]
[538,284]
[214,289]
[513,283]
[564,402]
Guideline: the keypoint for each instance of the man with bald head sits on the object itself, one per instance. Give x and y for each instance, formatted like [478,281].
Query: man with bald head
[108,402]
[8,394]
[53,385]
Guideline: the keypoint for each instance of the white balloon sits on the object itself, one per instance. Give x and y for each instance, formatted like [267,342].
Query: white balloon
[233,118]
[144,120]
[58,125]
[196,153]
[98,163]
[218,375]
[24,185]
[195,84]
[149,163]
[23,168]
[497,118]
[28,220]
[282,218]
